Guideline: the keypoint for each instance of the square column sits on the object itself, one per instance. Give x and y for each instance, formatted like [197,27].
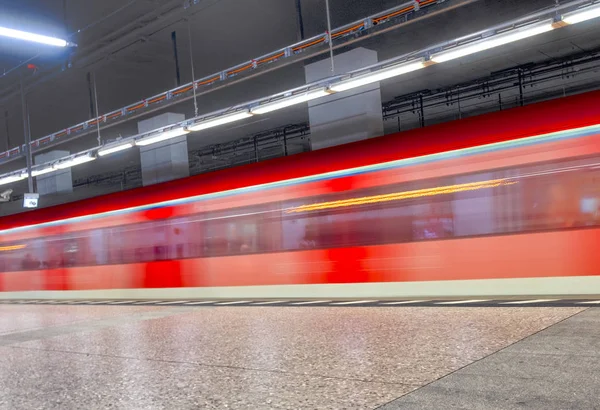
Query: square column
[167,160]
[60,181]
[349,116]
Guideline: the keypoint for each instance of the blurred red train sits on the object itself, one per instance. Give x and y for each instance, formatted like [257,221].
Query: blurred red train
[501,204]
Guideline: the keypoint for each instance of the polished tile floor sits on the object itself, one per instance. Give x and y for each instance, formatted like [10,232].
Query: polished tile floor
[166,357]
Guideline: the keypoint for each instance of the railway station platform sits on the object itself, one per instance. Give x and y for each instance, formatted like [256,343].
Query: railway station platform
[533,354]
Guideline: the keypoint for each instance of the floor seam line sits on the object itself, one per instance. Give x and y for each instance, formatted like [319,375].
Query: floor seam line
[212,365]
[485,357]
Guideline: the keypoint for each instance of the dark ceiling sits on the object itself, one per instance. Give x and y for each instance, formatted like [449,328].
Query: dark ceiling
[127,44]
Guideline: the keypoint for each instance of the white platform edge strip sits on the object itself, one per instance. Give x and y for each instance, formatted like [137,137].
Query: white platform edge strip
[525,302]
[310,294]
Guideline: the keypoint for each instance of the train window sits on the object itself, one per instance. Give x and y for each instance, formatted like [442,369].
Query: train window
[525,199]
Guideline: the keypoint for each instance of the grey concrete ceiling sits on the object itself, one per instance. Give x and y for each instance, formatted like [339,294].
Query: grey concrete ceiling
[127,43]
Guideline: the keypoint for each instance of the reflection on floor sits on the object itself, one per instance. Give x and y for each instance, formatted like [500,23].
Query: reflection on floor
[262,357]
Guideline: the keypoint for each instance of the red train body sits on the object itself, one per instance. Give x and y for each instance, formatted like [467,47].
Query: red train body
[502,204]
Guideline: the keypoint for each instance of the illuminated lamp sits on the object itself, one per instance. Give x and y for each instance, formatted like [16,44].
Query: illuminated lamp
[582,14]
[493,41]
[162,136]
[42,171]
[82,159]
[35,38]
[111,149]
[379,75]
[13,178]
[220,120]
[291,100]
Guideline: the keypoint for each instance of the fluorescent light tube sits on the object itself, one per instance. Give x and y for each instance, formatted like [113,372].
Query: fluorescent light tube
[373,77]
[42,171]
[583,14]
[13,178]
[223,119]
[289,101]
[163,136]
[36,38]
[111,149]
[74,161]
[493,41]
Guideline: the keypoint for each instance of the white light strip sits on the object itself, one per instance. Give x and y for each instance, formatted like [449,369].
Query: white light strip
[163,136]
[583,14]
[36,38]
[13,178]
[42,171]
[74,161]
[115,148]
[493,41]
[383,74]
[289,101]
[224,119]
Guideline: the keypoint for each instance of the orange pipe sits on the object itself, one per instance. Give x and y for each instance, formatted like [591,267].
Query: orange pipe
[397,13]
[209,81]
[303,46]
[136,107]
[183,90]
[348,30]
[157,99]
[271,58]
[239,70]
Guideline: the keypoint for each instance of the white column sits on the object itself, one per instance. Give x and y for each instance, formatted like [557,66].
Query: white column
[60,181]
[163,161]
[350,116]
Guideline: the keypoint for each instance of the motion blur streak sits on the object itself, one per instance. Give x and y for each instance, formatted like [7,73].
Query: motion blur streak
[472,186]
[502,204]
[12,248]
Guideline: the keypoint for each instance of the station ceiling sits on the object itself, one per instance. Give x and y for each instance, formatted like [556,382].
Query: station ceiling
[127,46]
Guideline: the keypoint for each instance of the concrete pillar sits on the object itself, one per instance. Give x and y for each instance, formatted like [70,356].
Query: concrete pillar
[163,161]
[60,181]
[350,116]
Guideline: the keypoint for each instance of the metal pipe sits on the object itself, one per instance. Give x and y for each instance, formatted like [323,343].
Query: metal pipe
[521,97]
[97,111]
[330,36]
[421,111]
[300,20]
[192,64]
[6,116]
[255,149]
[27,137]
[176,58]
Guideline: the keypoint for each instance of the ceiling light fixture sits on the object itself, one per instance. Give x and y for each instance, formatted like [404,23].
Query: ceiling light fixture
[493,41]
[379,75]
[292,100]
[111,149]
[13,178]
[582,14]
[82,159]
[162,136]
[36,38]
[220,120]
[42,171]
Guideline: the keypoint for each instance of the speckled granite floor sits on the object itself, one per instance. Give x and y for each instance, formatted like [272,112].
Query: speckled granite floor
[94,357]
